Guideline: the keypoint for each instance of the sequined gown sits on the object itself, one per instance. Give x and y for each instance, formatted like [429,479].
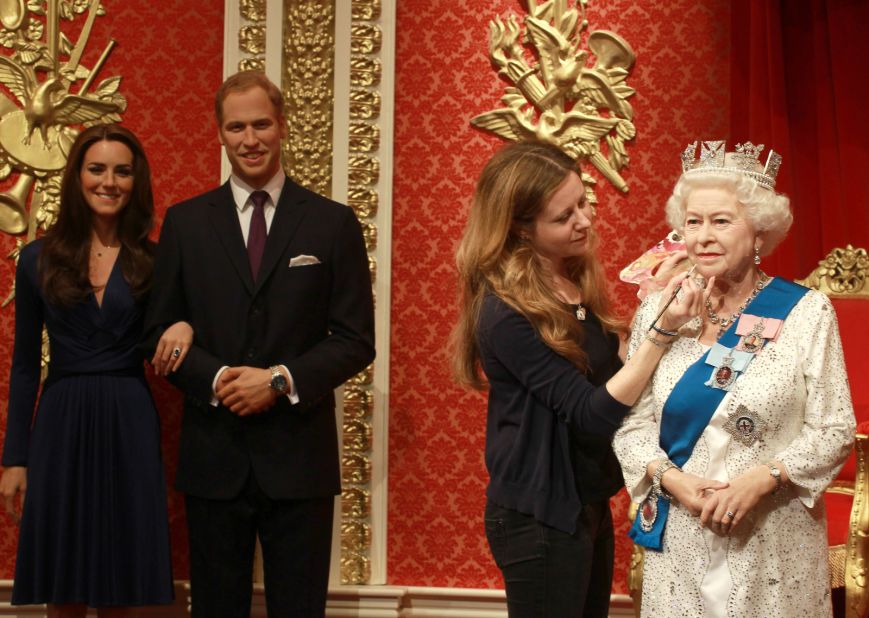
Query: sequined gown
[775,563]
[94,528]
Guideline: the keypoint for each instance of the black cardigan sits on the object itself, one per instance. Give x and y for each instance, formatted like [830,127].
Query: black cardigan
[538,400]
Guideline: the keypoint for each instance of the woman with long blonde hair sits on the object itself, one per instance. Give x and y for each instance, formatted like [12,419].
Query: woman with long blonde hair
[536,319]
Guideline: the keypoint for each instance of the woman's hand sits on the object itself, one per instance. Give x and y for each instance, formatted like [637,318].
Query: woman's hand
[668,268]
[689,301]
[13,481]
[172,348]
[726,508]
[689,490]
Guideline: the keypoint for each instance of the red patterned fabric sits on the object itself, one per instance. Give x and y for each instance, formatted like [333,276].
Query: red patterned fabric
[443,78]
[170,56]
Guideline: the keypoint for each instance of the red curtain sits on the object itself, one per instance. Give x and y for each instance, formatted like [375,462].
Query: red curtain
[800,84]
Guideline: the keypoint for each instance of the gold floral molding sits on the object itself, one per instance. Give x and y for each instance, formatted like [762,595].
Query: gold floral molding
[363,175]
[53,95]
[308,71]
[252,35]
[307,74]
[843,273]
[559,99]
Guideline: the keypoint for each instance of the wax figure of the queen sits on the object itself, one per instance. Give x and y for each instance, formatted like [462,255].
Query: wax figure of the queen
[752,393]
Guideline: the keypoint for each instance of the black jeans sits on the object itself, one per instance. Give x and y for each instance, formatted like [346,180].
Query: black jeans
[549,573]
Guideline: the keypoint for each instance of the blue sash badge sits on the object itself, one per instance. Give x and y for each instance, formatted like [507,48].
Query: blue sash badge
[694,399]
[728,364]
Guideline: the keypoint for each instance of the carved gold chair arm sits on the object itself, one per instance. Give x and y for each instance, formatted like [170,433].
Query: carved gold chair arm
[635,569]
[857,544]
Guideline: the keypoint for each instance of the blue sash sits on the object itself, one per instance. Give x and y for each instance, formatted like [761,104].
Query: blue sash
[692,403]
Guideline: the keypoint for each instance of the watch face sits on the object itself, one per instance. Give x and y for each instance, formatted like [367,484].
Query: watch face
[279,383]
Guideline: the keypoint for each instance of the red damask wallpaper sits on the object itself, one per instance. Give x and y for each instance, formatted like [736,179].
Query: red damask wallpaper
[170,56]
[437,477]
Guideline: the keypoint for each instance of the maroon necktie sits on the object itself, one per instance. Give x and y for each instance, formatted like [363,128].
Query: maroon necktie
[256,235]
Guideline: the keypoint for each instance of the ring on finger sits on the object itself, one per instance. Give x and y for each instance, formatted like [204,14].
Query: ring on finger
[176,352]
[730,514]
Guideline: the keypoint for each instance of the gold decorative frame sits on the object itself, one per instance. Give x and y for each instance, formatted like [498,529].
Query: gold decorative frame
[362,195]
[307,75]
[252,35]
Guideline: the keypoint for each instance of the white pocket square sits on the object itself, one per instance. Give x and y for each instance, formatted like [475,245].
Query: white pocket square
[303,260]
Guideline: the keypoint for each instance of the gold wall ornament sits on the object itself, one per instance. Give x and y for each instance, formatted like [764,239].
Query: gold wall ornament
[843,273]
[53,95]
[252,35]
[355,535]
[308,73]
[252,39]
[363,175]
[252,10]
[560,99]
[364,104]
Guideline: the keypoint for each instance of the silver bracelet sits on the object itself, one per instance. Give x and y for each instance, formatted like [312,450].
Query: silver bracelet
[659,474]
[664,331]
[660,344]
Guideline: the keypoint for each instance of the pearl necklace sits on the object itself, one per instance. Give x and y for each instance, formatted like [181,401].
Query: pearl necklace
[722,322]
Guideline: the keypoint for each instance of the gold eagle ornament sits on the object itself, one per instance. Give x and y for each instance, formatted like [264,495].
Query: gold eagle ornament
[560,99]
[45,99]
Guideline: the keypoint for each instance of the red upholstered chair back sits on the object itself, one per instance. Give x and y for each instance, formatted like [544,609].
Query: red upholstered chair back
[853,317]
[842,275]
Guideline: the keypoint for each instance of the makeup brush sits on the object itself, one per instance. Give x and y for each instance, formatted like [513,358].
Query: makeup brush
[672,298]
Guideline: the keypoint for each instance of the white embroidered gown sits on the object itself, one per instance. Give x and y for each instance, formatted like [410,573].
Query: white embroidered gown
[775,562]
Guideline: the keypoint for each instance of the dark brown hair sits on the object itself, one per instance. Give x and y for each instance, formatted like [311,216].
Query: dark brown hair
[242,82]
[64,259]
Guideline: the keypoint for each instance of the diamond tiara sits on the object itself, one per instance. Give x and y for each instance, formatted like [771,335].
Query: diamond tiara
[714,160]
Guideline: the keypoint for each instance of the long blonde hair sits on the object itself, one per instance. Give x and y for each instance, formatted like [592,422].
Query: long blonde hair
[513,188]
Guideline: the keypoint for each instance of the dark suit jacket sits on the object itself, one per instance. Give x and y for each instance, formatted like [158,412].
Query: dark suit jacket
[318,320]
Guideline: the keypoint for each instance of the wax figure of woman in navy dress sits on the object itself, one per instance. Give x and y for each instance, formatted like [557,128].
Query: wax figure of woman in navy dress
[753,394]
[536,319]
[93,529]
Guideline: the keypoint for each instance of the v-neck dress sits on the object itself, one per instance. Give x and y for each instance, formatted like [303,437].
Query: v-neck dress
[94,528]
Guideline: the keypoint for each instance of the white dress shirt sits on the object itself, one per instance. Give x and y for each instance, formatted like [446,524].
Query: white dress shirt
[241,192]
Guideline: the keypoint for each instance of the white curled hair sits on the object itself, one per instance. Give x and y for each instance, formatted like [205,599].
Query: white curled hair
[766,211]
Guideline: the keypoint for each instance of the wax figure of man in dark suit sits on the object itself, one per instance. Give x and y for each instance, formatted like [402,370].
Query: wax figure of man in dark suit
[258,452]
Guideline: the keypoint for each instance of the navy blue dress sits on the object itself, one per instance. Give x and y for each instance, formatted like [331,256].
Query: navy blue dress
[94,528]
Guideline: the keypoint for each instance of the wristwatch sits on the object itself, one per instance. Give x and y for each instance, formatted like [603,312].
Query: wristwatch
[663,467]
[279,380]
[775,473]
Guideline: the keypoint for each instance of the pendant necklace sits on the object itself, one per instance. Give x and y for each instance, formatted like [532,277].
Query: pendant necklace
[104,248]
[580,312]
[724,322]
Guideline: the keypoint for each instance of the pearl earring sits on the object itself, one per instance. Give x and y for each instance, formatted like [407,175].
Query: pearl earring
[756,256]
